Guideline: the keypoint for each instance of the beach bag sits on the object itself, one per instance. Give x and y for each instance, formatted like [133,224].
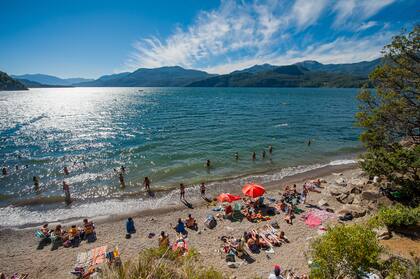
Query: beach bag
[210,222]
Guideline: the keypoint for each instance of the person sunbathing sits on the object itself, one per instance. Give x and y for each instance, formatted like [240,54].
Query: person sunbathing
[180,227]
[191,223]
[163,240]
[45,230]
[282,237]
[88,232]
[74,236]
[228,211]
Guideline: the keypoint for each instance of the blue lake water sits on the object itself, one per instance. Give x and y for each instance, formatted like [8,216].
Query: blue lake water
[166,134]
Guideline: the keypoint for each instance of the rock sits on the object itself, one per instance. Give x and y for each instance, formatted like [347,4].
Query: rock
[370,195]
[322,202]
[340,182]
[382,233]
[355,210]
[355,190]
[357,200]
[358,182]
[337,190]
[342,197]
[349,198]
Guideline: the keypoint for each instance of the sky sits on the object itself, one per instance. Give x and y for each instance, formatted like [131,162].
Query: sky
[90,38]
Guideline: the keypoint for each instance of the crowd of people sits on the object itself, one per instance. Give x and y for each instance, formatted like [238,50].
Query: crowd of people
[71,237]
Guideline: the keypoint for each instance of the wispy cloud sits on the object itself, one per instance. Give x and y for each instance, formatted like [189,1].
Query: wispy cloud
[240,34]
[351,12]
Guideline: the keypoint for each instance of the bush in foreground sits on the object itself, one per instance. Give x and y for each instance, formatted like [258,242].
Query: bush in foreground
[345,251]
[396,216]
[156,263]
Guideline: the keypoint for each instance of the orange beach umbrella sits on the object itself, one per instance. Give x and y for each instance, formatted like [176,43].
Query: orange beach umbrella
[226,197]
[253,190]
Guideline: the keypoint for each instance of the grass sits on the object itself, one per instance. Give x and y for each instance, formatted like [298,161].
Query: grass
[157,263]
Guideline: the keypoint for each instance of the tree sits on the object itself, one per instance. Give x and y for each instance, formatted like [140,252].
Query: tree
[345,251]
[390,116]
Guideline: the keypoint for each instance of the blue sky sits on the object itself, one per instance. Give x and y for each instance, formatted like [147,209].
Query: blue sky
[89,38]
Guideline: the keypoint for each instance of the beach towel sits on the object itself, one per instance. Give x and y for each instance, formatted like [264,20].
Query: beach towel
[91,258]
[312,220]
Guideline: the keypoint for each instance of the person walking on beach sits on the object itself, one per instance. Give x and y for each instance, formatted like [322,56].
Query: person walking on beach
[270,150]
[66,171]
[122,182]
[203,190]
[36,183]
[146,183]
[66,190]
[236,156]
[181,192]
[263,154]
[254,156]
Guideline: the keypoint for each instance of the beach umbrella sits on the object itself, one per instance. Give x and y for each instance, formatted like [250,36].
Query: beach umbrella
[226,197]
[253,190]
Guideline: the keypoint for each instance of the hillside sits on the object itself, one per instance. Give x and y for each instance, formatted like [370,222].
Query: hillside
[8,83]
[50,80]
[34,84]
[159,77]
[357,69]
[282,76]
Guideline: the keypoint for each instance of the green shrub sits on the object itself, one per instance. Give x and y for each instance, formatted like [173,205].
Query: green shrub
[156,263]
[396,216]
[344,250]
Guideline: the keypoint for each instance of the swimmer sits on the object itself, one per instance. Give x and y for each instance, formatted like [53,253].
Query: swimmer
[236,156]
[208,164]
[122,182]
[4,171]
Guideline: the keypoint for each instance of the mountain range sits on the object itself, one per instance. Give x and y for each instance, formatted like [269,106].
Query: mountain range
[50,80]
[303,74]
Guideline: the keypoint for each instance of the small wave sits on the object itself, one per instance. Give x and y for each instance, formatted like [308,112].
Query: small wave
[24,216]
[282,125]
[342,162]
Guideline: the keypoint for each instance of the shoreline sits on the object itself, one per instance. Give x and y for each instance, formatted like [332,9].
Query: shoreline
[20,254]
[196,200]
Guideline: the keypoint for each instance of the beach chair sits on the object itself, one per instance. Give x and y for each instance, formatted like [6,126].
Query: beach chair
[237,214]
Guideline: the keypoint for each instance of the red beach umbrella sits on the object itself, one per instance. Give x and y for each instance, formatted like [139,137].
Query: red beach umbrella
[253,190]
[226,197]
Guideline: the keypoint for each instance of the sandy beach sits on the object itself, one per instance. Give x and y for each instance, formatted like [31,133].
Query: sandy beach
[20,254]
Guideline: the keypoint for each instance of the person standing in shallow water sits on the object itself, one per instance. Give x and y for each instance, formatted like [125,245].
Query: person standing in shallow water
[254,156]
[263,154]
[270,150]
[181,191]
[4,171]
[236,156]
[208,164]
[36,183]
[123,169]
[309,142]
[66,171]
[66,190]
[146,183]
[122,182]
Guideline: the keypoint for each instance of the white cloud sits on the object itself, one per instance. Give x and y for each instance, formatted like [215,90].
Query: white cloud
[349,12]
[240,34]
[307,12]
